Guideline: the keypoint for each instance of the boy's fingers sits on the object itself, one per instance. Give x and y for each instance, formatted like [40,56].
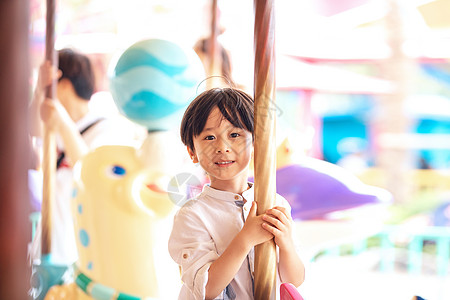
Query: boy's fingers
[280,215]
[284,211]
[273,221]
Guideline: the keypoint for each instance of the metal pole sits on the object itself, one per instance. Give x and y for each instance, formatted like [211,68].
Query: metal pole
[15,230]
[265,164]
[396,162]
[49,143]
[214,59]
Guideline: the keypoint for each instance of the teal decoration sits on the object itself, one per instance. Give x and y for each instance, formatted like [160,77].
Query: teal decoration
[102,292]
[84,238]
[154,80]
[74,193]
[80,209]
[123,296]
[83,281]
[90,265]
[45,275]
[99,291]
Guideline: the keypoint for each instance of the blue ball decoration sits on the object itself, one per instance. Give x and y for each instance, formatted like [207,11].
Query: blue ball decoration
[154,80]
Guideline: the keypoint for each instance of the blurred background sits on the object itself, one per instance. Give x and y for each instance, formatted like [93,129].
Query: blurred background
[361,84]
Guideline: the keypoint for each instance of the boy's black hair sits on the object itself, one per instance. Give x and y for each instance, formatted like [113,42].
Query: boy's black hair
[235,105]
[77,68]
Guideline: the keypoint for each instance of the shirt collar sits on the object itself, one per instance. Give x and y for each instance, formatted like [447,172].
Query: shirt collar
[87,119]
[229,196]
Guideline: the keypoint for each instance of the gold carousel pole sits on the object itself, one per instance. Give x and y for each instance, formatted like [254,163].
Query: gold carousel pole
[213,39]
[214,67]
[265,164]
[395,158]
[49,143]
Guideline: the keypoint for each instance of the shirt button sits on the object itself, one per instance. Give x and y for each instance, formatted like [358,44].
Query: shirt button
[237,197]
[185,256]
[245,208]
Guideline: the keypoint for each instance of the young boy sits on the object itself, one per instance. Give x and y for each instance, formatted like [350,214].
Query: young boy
[214,235]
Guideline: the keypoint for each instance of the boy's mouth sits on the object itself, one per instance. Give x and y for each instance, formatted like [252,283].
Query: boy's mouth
[224,163]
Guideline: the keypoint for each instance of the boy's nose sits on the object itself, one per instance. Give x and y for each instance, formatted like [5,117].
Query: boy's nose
[222,147]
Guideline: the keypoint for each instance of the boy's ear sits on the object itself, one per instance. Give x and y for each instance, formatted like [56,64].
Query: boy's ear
[192,155]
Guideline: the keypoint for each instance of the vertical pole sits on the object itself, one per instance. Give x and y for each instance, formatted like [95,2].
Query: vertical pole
[214,67]
[49,143]
[15,229]
[265,164]
[213,39]
[395,160]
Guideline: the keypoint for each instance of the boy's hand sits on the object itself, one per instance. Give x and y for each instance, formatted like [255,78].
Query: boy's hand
[53,114]
[253,229]
[279,223]
[47,73]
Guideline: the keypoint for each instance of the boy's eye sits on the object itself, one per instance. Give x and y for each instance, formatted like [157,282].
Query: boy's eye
[209,137]
[234,134]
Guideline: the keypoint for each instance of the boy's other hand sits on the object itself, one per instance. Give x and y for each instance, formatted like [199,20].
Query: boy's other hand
[278,221]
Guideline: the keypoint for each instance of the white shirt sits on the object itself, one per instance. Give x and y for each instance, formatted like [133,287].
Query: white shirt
[202,230]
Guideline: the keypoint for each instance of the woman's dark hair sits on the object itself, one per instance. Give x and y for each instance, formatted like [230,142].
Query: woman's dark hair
[77,68]
[235,105]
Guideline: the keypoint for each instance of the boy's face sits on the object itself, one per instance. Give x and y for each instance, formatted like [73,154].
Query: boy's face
[224,152]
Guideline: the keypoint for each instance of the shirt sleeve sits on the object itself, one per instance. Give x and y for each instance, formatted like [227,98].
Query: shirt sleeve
[192,247]
[281,201]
